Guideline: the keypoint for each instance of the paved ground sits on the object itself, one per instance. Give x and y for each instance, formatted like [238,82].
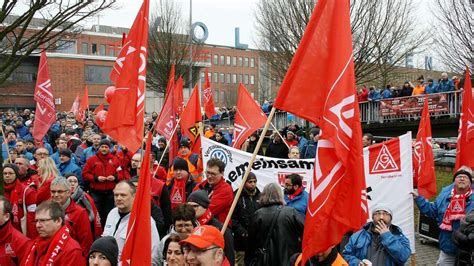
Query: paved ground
[426,254]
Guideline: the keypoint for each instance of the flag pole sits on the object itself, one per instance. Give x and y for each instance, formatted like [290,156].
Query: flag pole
[247,170]
[167,144]
[278,132]
[6,144]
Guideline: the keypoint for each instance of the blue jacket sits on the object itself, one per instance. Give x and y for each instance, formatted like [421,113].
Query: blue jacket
[396,245]
[70,167]
[301,143]
[22,131]
[374,95]
[386,94]
[11,145]
[431,89]
[436,210]
[28,155]
[445,85]
[89,152]
[300,202]
[309,150]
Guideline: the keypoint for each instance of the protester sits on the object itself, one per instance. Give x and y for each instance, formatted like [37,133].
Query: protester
[173,251]
[103,252]
[13,244]
[274,222]
[367,139]
[294,153]
[295,195]
[199,200]
[92,150]
[420,87]
[379,242]
[251,143]
[21,149]
[27,175]
[116,224]
[40,153]
[54,245]
[450,206]
[445,84]
[243,213]
[165,162]
[193,160]
[210,131]
[431,87]
[219,137]
[464,240]
[47,172]
[328,257]
[205,246]
[277,148]
[308,151]
[22,199]
[221,192]
[67,165]
[182,185]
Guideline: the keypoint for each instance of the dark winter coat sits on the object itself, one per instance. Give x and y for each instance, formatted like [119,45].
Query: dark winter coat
[244,210]
[277,150]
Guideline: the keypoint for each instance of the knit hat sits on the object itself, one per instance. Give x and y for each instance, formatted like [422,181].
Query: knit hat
[180,164]
[107,245]
[162,140]
[204,236]
[382,207]
[65,152]
[104,142]
[200,197]
[463,172]
[251,176]
[185,143]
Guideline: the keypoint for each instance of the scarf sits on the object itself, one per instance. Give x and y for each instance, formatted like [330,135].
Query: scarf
[456,209]
[294,195]
[205,218]
[178,192]
[54,245]
[16,199]
[79,198]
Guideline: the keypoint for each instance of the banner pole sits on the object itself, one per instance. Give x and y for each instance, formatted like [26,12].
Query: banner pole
[247,171]
[282,139]
[167,145]
[6,144]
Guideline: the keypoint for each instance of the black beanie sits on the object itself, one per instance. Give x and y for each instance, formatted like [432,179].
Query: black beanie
[463,172]
[180,164]
[107,245]
[200,197]
[104,142]
[251,176]
[66,152]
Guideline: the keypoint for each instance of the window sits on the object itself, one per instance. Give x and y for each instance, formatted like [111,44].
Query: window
[67,47]
[240,78]
[227,59]
[216,59]
[246,62]
[84,48]
[215,95]
[94,48]
[214,77]
[234,78]
[252,62]
[252,79]
[227,78]
[202,76]
[209,75]
[221,78]
[222,96]
[102,49]
[234,60]
[111,50]
[222,62]
[97,74]
[240,61]
[246,79]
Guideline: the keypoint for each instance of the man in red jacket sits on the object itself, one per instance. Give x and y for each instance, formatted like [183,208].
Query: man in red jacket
[13,244]
[54,246]
[103,172]
[76,217]
[220,192]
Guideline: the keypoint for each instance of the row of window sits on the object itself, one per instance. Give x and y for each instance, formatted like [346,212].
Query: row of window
[227,60]
[228,78]
[69,47]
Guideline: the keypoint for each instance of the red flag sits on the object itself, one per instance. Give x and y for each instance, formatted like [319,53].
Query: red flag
[75,106]
[208,100]
[423,159]
[178,100]
[466,126]
[84,106]
[170,80]
[248,119]
[191,121]
[124,121]
[45,114]
[320,86]
[136,250]
[99,108]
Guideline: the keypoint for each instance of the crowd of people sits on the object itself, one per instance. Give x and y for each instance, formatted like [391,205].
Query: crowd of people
[67,201]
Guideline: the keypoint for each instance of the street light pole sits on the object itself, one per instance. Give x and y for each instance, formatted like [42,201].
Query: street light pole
[190,46]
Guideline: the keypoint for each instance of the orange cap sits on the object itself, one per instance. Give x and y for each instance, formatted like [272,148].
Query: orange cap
[204,236]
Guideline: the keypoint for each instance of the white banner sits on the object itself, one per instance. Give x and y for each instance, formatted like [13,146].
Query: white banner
[389,179]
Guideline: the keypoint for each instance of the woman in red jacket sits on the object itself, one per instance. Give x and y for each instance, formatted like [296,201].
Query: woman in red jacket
[22,198]
[47,171]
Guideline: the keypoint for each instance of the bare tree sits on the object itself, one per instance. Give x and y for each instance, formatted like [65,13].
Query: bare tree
[383,34]
[169,43]
[42,24]
[455,33]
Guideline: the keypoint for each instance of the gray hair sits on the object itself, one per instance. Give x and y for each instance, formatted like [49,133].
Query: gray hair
[61,181]
[272,194]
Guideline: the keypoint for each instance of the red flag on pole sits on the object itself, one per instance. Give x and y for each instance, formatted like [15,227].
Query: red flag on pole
[248,118]
[170,84]
[209,108]
[75,106]
[84,106]
[136,250]
[178,99]
[320,86]
[423,159]
[191,121]
[466,126]
[124,121]
[99,108]
[45,114]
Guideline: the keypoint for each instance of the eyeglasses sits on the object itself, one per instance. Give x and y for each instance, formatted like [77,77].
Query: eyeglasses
[42,153]
[58,191]
[462,176]
[42,221]
[7,173]
[212,174]
[188,249]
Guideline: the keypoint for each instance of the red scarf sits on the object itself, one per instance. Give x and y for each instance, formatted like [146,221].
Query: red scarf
[15,198]
[456,209]
[54,245]
[294,195]
[205,218]
[178,192]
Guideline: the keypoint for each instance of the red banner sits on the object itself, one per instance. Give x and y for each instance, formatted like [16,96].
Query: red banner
[437,103]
